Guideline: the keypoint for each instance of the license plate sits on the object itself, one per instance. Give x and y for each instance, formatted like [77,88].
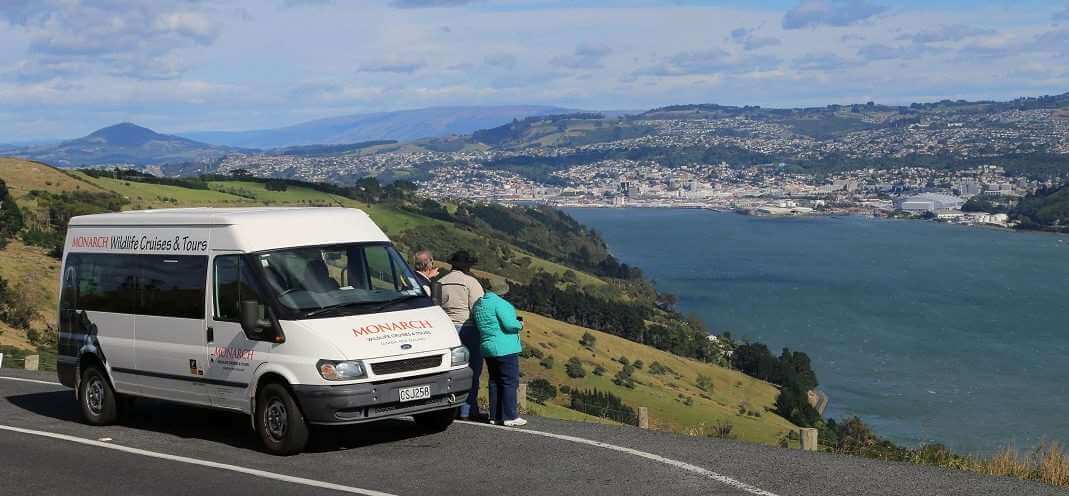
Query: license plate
[415,393]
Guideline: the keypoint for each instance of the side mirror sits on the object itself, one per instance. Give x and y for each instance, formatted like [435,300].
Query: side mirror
[251,322]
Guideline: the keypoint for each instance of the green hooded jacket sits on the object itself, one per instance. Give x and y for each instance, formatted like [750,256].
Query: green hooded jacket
[499,329]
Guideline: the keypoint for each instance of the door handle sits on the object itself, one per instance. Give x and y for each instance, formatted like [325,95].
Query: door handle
[211,335]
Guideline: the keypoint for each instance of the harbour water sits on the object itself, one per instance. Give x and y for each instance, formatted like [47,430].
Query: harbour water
[928,332]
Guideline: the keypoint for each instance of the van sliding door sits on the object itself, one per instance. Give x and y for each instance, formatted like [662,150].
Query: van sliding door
[170,326]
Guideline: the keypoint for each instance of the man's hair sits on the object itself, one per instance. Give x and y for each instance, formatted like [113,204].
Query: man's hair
[422,260]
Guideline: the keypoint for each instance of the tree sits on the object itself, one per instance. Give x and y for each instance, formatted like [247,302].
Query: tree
[540,391]
[588,341]
[10,215]
[574,368]
[368,190]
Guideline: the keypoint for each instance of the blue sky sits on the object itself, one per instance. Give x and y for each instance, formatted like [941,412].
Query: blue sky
[70,66]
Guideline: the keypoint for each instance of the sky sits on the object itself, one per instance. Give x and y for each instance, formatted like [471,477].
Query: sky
[68,67]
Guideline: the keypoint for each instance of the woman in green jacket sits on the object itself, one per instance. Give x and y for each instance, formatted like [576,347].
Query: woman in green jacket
[499,333]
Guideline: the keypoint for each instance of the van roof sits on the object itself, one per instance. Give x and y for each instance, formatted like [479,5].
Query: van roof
[245,229]
[207,216]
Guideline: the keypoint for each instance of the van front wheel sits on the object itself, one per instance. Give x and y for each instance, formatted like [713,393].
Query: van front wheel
[279,421]
[97,398]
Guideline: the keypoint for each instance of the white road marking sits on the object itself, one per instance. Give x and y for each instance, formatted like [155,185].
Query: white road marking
[723,479]
[35,381]
[203,463]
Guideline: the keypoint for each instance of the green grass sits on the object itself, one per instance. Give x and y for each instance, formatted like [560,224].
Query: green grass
[292,195]
[659,393]
[145,195]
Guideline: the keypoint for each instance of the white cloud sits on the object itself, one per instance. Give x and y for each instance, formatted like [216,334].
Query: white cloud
[945,33]
[585,56]
[813,13]
[752,41]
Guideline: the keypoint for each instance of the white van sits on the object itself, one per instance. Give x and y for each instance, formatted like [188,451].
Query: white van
[296,316]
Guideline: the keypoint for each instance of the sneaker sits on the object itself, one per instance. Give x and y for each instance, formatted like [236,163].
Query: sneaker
[516,422]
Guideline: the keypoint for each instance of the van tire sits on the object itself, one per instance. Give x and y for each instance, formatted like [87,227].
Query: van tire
[279,421]
[97,398]
[437,421]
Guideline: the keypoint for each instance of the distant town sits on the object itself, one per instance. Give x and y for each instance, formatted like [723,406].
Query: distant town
[891,161]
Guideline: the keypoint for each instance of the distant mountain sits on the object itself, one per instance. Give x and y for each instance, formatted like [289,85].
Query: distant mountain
[124,143]
[403,125]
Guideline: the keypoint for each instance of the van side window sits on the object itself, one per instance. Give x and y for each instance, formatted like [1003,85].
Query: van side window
[106,283]
[234,282]
[173,286]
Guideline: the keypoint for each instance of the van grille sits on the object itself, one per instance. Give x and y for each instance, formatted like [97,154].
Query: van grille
[407,365]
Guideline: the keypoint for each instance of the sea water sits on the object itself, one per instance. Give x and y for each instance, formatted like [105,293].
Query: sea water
[928,332]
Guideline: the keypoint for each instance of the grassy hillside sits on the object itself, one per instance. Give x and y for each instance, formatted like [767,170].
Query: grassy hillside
[666,394]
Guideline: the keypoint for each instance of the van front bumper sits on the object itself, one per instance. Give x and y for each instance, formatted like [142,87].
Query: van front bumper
[355,403]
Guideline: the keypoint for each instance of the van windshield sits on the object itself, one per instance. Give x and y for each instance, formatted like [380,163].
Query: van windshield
[330,281]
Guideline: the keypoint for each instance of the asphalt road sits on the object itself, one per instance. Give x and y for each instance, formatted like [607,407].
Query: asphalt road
[164,448]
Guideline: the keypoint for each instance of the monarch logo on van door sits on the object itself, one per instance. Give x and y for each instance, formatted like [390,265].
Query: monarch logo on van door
[403,325]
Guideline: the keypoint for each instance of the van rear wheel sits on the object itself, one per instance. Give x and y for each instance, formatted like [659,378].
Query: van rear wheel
[279,421]
[436,421]
[97,398]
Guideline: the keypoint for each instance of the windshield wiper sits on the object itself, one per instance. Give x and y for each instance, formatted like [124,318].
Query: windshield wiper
[382,305]
[331,308]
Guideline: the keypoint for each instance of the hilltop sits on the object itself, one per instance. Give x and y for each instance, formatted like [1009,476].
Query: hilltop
[124,143]
[402,125]
[677,397]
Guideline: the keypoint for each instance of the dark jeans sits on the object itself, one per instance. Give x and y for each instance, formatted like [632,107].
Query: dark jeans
[469,337]
[504,378]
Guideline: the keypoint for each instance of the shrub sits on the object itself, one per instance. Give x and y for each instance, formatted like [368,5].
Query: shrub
[623,377]
[565,389]
[723,430]
[574,368]
[532,352]
[705,383]
[588,341]
[547,362]
[540,391]
[599,370]
[604,405]
[16,304]
[657,368]
[638,364]
[623,360]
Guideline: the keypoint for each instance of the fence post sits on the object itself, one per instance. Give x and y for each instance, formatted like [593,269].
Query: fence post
[1,360]
[643,417]
[521,397]
[808,437]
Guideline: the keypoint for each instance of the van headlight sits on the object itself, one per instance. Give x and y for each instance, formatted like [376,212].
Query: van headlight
[335,370]
[458,356]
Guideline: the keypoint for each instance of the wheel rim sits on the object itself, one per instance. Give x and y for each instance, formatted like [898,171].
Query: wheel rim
[94,395]
[276,419]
